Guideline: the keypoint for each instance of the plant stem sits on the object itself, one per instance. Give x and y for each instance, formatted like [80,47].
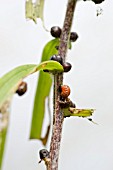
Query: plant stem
[58,80]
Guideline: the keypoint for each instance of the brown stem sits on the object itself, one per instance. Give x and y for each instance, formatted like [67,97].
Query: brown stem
[58,80]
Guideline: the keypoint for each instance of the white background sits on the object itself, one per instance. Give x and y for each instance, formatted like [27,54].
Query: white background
[85,146]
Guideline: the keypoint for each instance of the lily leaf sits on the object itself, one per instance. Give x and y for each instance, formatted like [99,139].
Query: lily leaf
[4,119]
[10,81]
[9,84]
[34,10]
[42,92]
[2,143]
[77,112]
[43,89]
[50,49]
[39,7]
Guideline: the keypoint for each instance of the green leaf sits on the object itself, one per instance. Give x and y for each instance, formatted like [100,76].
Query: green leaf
[77,112]
[51,66]
[70,45]
[10,81]
[50,49]
[42,92]
[43,89]
[34,10]
[4,119]
[9,84]
[2,143]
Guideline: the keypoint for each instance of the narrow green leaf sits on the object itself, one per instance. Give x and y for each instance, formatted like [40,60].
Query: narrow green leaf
[10,81]
[4,119]
[2,143]
[50,49]
[8,85]
[70,45]
[42,91]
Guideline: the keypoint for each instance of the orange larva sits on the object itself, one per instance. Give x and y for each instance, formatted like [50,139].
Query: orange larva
[65,91]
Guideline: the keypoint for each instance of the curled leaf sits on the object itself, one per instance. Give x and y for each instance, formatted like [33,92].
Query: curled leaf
[10,81]
[8,86]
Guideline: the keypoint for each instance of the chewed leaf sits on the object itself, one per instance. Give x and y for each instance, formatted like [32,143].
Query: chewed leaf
[77,112]
[34,10]
[39,6]
[30,12]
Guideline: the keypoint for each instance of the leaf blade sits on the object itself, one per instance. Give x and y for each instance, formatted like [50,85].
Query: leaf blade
[34,10]
[9,84]
[77,112]
[50,49]
[39,101]
[2,144]
[10,81]
[39,105]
